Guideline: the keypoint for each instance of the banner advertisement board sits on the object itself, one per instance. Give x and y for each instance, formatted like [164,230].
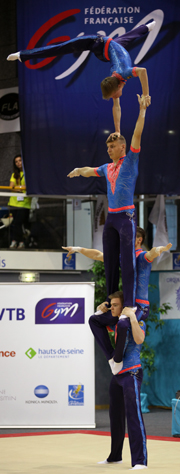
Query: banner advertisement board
[47,355]
[43,260]
[169,288]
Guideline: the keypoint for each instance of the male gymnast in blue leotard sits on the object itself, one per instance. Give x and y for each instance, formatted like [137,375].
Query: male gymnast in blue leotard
[120,226]
[105,49]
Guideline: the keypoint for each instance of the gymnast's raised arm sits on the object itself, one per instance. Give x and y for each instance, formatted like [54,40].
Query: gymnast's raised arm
[116,110]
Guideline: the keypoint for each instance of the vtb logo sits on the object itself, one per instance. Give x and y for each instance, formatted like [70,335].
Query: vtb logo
[13,313]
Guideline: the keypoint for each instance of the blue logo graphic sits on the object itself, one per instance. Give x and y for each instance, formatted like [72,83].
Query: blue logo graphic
[75,395]
[176,261]
[41,391]
[69,263]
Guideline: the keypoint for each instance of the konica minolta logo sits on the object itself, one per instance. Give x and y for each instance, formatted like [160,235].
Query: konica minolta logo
[41,391]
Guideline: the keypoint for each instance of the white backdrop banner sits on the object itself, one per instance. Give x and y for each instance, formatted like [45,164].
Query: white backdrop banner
[47,355]
[169,288]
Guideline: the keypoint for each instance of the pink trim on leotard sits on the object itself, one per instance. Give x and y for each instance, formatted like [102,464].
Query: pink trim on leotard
[95,170]
[124,208]
[149,261]
[106,48]
[130,368]
[134,150]
[138,251]
[134,73]
[115,74]
[142,301]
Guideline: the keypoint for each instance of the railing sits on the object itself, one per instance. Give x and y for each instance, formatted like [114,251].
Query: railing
[16,188]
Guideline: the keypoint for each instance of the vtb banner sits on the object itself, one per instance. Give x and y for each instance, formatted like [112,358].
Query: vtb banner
[64,120]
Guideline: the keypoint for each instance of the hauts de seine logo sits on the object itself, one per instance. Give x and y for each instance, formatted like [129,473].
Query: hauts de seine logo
[60,311]
[53,353]
[30,353]
[76,395]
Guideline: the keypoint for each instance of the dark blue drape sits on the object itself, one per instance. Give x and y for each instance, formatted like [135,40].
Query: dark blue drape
[65,122]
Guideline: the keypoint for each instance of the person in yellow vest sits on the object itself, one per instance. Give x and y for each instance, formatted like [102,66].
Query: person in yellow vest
[19,206]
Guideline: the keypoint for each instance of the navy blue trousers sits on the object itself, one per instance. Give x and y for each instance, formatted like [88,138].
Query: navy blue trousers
[93,43]
[130,36]
[98,324]
[119,239]
[125,401]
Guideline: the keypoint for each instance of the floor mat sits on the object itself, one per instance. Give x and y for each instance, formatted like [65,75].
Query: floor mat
[78,453]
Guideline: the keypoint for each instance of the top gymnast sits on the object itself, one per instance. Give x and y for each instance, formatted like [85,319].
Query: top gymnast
[105,49]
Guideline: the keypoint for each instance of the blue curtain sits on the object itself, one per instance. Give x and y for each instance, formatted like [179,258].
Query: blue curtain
[165,381]
[65,122]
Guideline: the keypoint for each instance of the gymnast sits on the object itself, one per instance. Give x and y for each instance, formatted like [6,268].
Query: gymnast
[120,226]
[105,49]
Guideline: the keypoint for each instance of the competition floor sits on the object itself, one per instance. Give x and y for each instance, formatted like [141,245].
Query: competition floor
[77,452]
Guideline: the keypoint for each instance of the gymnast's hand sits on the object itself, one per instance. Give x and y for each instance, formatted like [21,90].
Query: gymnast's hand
[69,250]
[104,307]
[161,249]
[72,250]
[144,101]
[74,173]
[130,313]
[115,135]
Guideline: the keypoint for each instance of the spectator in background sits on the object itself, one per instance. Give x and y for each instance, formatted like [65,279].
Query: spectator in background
[19,206]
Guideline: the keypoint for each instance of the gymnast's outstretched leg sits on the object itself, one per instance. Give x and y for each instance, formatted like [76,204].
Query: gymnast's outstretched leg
[134,34]
[75,45]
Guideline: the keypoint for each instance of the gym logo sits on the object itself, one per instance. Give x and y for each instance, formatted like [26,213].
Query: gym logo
[41,391]
[60,311]
[75,395]
[30,353]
